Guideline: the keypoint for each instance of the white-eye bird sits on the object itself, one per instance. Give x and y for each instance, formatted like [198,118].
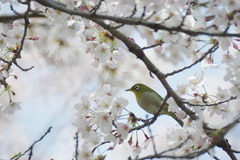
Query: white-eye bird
[150,101]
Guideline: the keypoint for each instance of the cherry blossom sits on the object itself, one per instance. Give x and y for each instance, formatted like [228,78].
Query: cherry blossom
[123,130]
[11,108]
[85,153]
[196,80]
[104,121]
[118,105]
[83,107]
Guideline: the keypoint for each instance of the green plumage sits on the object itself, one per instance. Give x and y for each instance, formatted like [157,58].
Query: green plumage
[150,101]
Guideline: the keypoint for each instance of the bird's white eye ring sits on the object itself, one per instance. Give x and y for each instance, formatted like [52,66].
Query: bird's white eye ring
[136,87]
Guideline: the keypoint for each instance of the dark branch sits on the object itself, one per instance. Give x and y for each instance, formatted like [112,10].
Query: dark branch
[76,146]
[212,104]
[23,69]
[9,18]
[218,141]
[211,50]
[184,17]
[154,45]
[94,9]
[132,21]
[175,148]
[30,149]
[234,151]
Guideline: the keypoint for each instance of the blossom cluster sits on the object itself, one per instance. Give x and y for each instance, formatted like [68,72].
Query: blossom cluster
[10,41]
[98,120]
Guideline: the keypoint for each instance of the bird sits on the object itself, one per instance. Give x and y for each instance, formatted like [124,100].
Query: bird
[150,101]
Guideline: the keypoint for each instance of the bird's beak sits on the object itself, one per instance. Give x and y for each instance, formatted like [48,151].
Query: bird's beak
[128,89]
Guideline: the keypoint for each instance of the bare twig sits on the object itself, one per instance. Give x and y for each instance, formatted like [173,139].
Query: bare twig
[152,137]
[175,148]
[211,50]
[212,104]
[94,9]
[30,149]
[150,16]
[99,146]
[76,146]
[14,11]
[184,17]
[235,151]
[154,45]
[23,69]
[216,158]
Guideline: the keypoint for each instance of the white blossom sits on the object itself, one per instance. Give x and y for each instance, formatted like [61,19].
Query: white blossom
[181,114]
[117,106]
[83,127]
[109,90]
[123,130]
[196,80]
[11,108]
[102,52]
[84,106]
[182,89]
[227,58]
[136,150]
[222,94]
[103,121]
[85,153]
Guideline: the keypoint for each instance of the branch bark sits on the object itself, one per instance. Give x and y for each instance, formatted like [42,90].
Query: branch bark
[132,21]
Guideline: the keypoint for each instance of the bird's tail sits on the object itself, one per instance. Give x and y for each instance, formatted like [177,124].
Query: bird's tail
[173,115]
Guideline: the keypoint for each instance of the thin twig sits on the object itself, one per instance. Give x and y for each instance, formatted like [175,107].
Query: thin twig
[99,146]
[94,9]
[211,50]
[76,146]
[235,151]
[211,104]
[184,17]
[175,148]
[152,137]
[30,149]
[154,45]
[23,69]
[153,13]
[216,158]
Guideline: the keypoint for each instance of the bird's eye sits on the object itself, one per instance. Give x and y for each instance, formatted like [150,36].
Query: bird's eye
[136,87]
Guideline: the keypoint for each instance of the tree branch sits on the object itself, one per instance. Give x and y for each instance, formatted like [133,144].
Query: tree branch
[212,104]
[9,18]
[30,149]
[132,21]
[211,50]
[76,146]
[218,141]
